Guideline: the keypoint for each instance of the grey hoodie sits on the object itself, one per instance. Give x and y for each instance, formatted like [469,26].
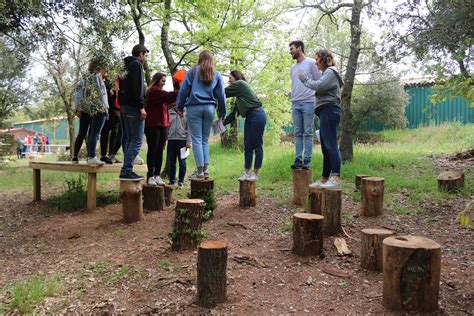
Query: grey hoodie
[178,129]
[327,88]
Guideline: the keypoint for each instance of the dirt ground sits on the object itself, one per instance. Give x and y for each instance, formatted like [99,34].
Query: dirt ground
[88,249]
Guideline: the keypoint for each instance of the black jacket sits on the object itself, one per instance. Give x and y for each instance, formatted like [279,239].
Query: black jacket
[132,85]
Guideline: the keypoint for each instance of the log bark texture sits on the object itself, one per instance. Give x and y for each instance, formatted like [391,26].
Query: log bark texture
[211,273]
[301,181]
[371,248]
[328,203]
[372,192]
[358,180]
[132,201]
[153,197]
[450,181]
[186,232]
[247,193]
[411,274]
[169,195]
[201,185]
[307,234]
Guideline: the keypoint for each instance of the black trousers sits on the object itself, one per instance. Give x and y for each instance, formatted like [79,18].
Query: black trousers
[156,139]
[111,135]
[84,122]
[172,154]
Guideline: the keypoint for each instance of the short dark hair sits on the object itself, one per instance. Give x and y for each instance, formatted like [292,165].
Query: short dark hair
[139,48]
[297,44]
[238,75]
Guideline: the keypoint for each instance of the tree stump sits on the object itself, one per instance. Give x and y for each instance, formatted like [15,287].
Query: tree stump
[411,273]
[371,248]
[201,185]
[358,180]
[301,180]
[186,232]
[169,195]
[371,202]
[204,189]
[328,203]
[307,234]
[153,197]
[450,181]
[132,201]
[247,193]
[211,273]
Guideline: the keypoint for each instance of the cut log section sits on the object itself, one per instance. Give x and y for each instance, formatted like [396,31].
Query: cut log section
[451,181]
[132,201]
[301,180]
[411,274]
[328,203]
[371,248]
[211,273]
[153,197]
[307,234]
[358,180]
[186,232]
[169,195]
[372,191]
[341,246]
[247,193]
[202,185]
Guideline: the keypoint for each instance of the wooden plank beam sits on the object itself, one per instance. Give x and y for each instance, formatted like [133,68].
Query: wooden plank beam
[91,191]
[81,167]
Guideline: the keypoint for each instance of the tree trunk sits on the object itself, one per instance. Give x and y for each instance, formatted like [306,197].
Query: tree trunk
[153,197]
[72,132]
[132,202]
[211,273]
[247,194]
[371,248]
[450,181]
[169,195]
[307,234]
[346,94]
[164,40]
[186,232]
[372,191]
[136,11]
[301,181]
[229,139]
[411,274]
[328,203]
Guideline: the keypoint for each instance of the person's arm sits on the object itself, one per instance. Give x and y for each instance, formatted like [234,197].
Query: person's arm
[321,85]
[219,92]
[137,84]
[232,116]
[168,97]
[233,90]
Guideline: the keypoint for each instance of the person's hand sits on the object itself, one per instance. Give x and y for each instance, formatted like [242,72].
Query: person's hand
[302,75]
[78,114]
[142,114]
[188,145]
[180,113]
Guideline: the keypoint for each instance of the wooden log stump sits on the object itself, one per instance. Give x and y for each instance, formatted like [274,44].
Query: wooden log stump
[153,197]
[186,232]
[450,181]
[328,203]
[247,193]
[358,180]
[307,234]
[211,273]
[201,185]
[132,201]
[301,180]
[169,195]
[371,248]
[204,189]
[411,273]
[372,191]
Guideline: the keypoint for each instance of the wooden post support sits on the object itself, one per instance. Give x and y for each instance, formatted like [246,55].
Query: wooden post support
[371,248]
[132,204]
[36,184]
[450,181]
[211,273]
[411,274]
[371,202]
[358,180]
[328,203]
[169,195]
[91,191]
[153,197]
[302,178]
[247,193]
[186,232]
[307,234]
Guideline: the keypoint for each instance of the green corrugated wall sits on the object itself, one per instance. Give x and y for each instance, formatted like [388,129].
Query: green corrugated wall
[47,127]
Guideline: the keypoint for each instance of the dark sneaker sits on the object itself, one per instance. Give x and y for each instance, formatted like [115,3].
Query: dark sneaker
[306,165]
[297,165]
[115,160]
[75,161]
[180,184]
[130,176]
[106,159]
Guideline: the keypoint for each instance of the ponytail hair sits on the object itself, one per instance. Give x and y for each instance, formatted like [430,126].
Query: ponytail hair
[207,69]
[326,58]
[238,75]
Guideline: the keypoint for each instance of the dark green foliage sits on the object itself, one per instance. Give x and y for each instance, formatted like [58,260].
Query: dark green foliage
[209,199]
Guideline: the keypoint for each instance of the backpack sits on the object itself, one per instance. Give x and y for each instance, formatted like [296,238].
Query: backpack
[91,100]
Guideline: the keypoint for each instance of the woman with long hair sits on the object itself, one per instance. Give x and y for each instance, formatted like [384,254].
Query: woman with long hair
[201,92]
[328,109]
[247,105]
[156,125]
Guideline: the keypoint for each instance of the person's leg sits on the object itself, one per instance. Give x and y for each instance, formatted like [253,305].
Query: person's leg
[162,135]
[84,122]
[151,133]
[308,131]
[333,118]
[133,129]
[172,153]
[207,118]
[115,134]
[194,116]
[257,130]
[297,114]
[104,138]
[182,162]
[97,122]
[248,149]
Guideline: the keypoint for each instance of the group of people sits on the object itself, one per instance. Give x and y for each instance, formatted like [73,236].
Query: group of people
[183,117]
[35,143]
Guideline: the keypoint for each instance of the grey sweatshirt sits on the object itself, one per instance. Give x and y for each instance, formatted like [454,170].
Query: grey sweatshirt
[178,129]
[327,88]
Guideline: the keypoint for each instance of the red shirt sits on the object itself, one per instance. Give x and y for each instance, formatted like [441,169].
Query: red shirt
[157,101]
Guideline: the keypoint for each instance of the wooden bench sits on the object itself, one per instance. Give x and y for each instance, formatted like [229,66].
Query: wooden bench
[91,171]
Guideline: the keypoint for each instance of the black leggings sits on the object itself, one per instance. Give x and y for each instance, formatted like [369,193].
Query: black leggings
[112,131]
[156,139]
[84,122]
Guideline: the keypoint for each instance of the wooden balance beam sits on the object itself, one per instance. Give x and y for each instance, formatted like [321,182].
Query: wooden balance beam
[67,166]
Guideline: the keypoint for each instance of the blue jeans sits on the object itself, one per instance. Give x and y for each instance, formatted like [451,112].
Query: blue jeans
[329,119]
[303,122]
[253,137]
[199,123]
[96,124]
[132,136]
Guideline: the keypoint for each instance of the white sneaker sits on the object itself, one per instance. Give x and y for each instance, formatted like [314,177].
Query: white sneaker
[316,184]
[159,181]
[94,161]
[252,177]
[151,181]
[138,161]
[244,176]
[331,183]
